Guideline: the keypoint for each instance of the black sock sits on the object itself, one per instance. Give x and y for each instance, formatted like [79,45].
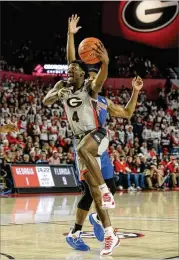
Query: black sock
[98,217]
[76,228]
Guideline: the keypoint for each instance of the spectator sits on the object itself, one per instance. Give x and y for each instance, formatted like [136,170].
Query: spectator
[43,158]
[136,175]
[143,149]
[172,169]
[122,170]
[26,158]
[54,159]
[129,134]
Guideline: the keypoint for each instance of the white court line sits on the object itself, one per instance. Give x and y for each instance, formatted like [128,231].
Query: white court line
[146,218]
[64,218]
[5,219]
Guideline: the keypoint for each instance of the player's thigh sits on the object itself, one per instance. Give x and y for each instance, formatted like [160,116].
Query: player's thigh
[90,180]
[88,143]
[95,142]
[82,169]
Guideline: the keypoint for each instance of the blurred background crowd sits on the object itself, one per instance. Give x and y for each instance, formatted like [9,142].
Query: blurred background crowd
[148,145]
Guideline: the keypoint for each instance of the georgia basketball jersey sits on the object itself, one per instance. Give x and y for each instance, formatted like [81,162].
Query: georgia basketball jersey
[81,111]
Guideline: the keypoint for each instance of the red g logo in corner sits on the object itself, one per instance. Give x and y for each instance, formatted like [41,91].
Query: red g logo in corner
[151,22]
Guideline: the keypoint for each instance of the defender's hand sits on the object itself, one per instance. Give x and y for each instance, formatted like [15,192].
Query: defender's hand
[72,24]
[137,83]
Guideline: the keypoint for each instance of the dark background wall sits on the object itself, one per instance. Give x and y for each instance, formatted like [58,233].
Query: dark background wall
[45,23]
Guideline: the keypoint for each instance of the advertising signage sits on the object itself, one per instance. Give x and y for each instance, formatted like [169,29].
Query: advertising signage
[50,70]
[41,176]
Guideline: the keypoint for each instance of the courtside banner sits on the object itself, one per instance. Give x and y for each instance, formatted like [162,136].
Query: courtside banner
[43,176]
[25,176]
[64,176]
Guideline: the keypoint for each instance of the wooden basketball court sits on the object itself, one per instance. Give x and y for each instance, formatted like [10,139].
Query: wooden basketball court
[33,227]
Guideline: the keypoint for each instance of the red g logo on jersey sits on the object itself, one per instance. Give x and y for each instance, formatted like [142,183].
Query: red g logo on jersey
[150,22]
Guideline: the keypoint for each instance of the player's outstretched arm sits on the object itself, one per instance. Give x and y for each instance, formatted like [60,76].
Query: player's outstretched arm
[99,80]
[72,29]
[128,110]
[52,95]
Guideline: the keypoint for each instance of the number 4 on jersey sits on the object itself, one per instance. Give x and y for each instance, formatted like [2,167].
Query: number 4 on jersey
[75,117]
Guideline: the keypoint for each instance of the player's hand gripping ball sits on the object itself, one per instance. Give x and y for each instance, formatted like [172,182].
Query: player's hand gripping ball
[86,50]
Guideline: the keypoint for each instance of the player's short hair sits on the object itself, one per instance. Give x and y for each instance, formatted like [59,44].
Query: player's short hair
[82,65]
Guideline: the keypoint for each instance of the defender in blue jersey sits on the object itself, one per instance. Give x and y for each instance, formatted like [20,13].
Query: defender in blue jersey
[105,105]
[107,168]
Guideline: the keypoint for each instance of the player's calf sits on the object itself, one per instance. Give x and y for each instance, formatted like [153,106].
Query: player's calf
[89,161]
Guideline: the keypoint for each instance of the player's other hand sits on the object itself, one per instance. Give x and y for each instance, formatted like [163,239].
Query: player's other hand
[72,24]
[9,128]
[137,83]
[101,53]
[63,93]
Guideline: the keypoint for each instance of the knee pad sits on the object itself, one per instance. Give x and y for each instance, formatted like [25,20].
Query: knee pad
[86,200]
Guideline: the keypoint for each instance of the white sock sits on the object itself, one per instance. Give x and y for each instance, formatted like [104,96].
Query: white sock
[109,232]
[104,188]
[96,219]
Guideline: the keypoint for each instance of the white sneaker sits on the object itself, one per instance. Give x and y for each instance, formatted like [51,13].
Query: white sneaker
[108,201]
[139,188]
[110,243]
[131,189]
[120,187]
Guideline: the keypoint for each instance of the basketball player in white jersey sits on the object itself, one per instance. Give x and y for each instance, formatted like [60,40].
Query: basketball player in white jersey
[80,102]
[85,202]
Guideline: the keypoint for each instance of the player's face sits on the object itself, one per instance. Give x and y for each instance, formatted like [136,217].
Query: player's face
[74,73]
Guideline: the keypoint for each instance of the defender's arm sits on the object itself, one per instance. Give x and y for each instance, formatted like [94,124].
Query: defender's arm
[72,29]
[128,110]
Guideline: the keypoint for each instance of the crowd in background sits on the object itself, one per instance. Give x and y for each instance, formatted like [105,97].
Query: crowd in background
[132,65]
[143,150]
[25,58]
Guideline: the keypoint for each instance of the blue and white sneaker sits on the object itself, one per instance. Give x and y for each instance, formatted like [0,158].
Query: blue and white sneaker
[97,227]
[75,241]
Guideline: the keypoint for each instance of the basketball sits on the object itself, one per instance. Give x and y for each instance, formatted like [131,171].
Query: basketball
[86,52]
